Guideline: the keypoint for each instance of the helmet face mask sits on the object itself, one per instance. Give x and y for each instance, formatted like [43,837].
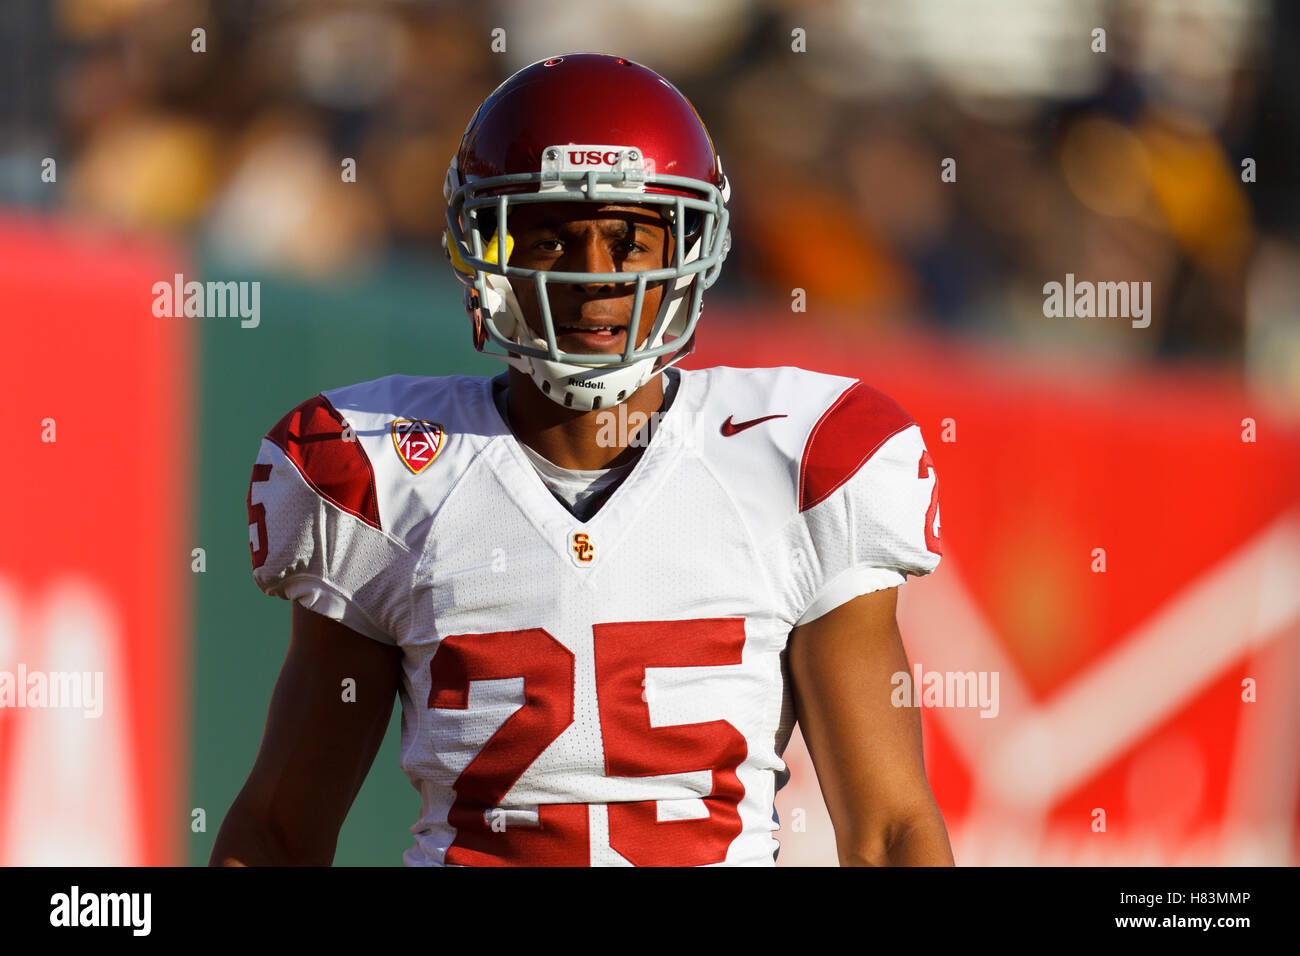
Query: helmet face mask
[621,174]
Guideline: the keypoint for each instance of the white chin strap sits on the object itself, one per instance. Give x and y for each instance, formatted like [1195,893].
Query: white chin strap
[585,387]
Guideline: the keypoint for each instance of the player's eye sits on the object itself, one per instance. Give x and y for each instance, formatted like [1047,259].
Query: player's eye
[623,247]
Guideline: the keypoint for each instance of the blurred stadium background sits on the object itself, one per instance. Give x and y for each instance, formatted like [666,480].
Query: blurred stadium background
[1120,691]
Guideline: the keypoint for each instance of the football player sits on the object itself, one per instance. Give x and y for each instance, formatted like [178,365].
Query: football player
[603,587]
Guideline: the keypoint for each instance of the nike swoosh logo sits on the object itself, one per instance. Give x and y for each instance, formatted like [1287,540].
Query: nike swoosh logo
[729,429]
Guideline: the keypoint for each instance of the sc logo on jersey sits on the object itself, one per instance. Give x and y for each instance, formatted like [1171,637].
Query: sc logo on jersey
[582,549]
[417,442]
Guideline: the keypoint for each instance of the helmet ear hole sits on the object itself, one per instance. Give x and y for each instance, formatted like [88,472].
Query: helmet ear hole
[487,224]
[693,224]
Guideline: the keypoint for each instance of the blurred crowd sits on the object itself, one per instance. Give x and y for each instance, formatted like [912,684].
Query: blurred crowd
[1113,157]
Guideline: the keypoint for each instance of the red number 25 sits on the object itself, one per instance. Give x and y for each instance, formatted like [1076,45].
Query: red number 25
[632,747]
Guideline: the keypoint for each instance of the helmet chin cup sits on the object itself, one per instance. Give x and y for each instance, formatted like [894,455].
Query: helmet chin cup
[587,389]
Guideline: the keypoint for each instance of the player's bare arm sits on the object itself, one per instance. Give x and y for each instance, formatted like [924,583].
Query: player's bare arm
[317,747]
[866,751]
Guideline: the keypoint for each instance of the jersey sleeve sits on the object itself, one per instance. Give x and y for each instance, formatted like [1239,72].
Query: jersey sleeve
[314,526]
[869,501]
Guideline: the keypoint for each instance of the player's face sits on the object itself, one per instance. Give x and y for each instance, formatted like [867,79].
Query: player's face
[581,237]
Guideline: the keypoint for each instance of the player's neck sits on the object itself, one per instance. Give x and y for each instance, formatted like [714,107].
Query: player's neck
[577,439]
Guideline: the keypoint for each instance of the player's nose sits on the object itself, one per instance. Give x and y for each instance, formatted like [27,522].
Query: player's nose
[591,254]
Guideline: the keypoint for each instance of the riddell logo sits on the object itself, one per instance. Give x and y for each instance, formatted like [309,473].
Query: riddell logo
[584,383]
[593,157]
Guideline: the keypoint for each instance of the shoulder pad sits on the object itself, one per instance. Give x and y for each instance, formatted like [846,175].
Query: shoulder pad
[848,433]
[325,451]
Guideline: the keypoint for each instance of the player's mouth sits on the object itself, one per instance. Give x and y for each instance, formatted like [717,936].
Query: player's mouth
[591,337]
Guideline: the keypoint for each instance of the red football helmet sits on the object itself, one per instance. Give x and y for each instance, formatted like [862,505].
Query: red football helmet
[595,128]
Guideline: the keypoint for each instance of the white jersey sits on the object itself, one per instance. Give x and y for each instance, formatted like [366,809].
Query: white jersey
[609,692]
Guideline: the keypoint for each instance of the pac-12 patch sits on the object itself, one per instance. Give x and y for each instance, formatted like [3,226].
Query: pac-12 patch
[417,442]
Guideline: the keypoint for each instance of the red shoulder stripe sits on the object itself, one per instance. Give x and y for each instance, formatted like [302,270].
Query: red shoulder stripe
[339,471]
[844,439]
